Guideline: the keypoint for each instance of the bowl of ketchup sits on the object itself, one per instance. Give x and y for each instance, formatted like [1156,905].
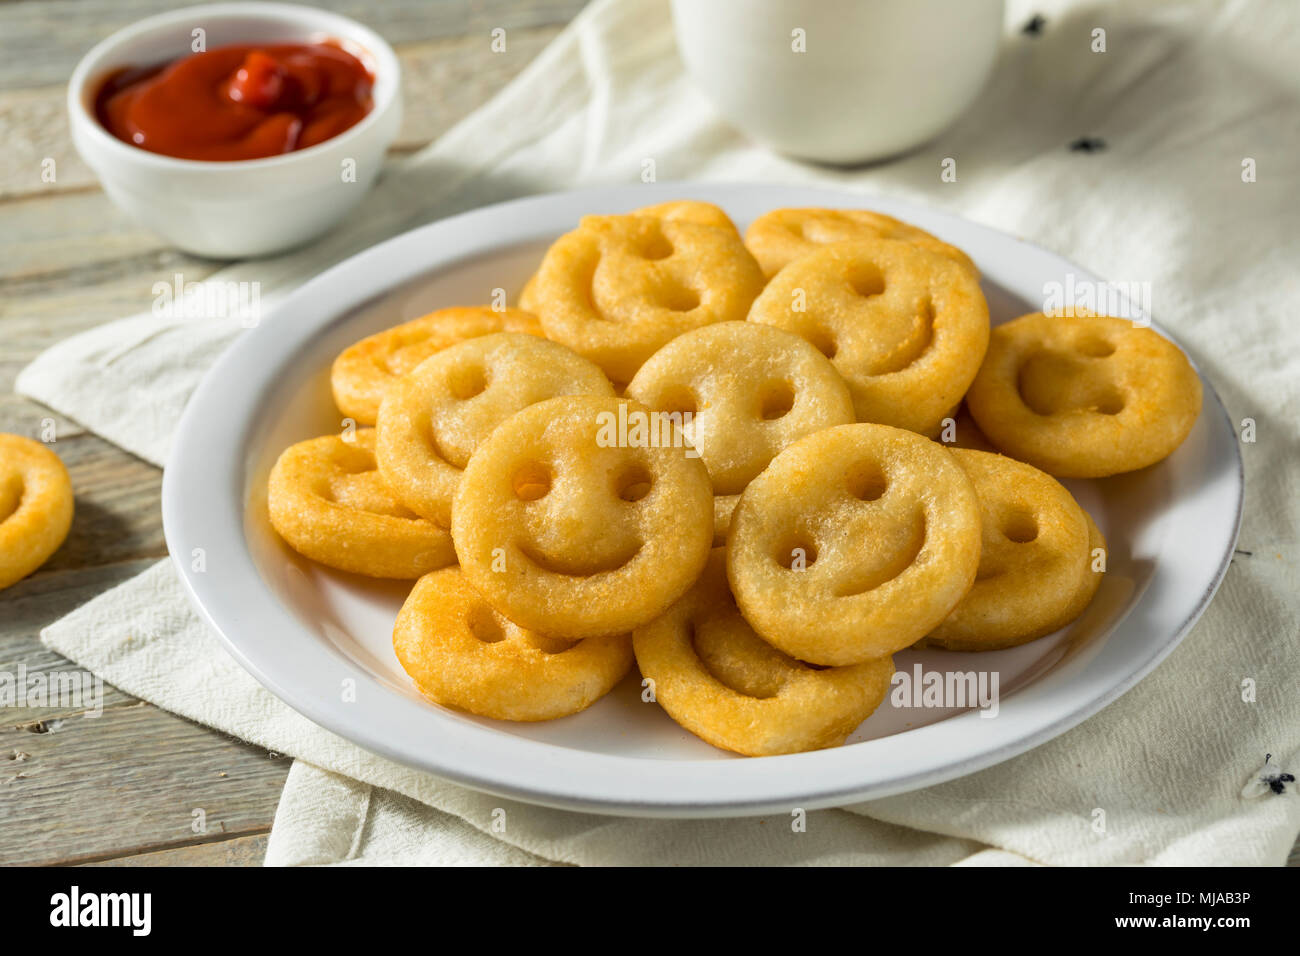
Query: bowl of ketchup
[237,129]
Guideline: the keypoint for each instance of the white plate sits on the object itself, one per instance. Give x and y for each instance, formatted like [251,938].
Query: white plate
[303,630]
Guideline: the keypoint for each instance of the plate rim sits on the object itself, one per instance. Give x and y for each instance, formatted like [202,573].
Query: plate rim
[192,461]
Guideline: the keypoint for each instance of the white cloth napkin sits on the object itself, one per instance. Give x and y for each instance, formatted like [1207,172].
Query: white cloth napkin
[1184,95]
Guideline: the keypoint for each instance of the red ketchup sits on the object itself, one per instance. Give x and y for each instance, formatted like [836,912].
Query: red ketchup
[237,102]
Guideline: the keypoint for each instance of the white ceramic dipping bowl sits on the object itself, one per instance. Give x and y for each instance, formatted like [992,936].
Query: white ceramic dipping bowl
[233,210]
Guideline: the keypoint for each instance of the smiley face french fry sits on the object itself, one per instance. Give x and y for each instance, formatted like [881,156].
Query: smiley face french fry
[1036,572]
[329,503]
[569,524]
[680,210]
[618,288]
[907,328]
[751,390]
[35,506]
[1084,396]
[853,543]
[723,683]
[462,653]
[362,373]
[433,418]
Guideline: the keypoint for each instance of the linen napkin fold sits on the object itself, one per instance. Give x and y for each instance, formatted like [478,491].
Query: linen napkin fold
[1185,95]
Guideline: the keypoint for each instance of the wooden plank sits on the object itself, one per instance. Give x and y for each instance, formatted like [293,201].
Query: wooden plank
[74,237]
[34,128]
[443,82]
[38,312]
[126,782]
[240,851]
[36,602]
[117,516]
[19,416]
[446,80]
[44,41]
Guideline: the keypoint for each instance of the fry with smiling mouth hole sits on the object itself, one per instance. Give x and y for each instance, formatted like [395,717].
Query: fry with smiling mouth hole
[717,678]
[463,654]
[566,535]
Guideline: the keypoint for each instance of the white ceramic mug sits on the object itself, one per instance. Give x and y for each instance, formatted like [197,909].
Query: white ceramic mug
[839,81]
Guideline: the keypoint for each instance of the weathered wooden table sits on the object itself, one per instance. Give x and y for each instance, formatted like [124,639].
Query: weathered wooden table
[122,788]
